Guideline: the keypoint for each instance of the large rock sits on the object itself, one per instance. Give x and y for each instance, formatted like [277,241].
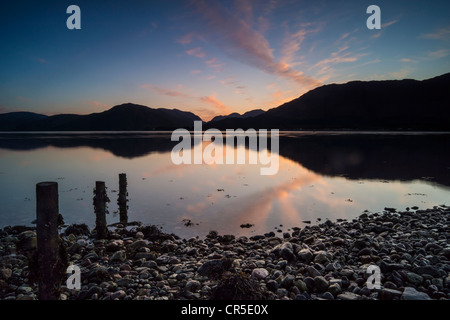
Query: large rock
[431,270]
[321,284]
[412,294]
[259,273]
[313,272]
[348,296]
[305,255]
[414,278]
[390,294]
[284,250]
[119,256]
[321,258]
[215,268]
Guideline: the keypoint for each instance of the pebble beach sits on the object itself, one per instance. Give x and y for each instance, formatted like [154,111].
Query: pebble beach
[326,261]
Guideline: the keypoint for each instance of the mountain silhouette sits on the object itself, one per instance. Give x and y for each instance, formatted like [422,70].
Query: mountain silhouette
[12,120]
[360,105]
[248,114]
[125,117]
[356,105]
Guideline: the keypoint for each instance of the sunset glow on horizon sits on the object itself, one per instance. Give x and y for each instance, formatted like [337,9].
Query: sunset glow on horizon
[209,57]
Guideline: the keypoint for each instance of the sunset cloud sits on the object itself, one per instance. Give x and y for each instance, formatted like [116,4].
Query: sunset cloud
[390,23]
[437,54]
[220,106]
[187,38]
[238,40]
[165,91]
[215,64]
[439,34]
[196,52]
[206,113]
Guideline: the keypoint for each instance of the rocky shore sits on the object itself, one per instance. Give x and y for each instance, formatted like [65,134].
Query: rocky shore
[326,261]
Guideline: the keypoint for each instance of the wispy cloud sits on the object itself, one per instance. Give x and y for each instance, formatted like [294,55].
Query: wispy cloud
[437,54]
[439,34]
[220,106]
[236,37]
[196,52]
[187,38]
[384,26]
[215,64]
[165,91]
[23,99]
[97,104]
[387,24]
[408,60]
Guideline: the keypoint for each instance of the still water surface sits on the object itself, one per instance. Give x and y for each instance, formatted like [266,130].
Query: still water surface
[322,175]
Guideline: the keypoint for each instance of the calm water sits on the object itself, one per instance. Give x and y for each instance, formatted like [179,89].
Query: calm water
[321,175]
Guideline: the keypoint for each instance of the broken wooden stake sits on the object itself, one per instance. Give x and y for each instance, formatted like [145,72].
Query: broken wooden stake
[49,247]
[100,200]
[122,199]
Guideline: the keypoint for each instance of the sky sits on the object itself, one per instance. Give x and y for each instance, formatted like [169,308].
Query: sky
[208,57]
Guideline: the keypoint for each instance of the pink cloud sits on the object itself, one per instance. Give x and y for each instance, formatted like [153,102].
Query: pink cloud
[165,91]
[196,52]
[237,38]
[212,100]
[97,104]
[213,63]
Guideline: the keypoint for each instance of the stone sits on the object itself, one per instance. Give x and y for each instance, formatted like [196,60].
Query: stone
[139,235]
[414,278]
[119,256]
[284,250]
[227,238]
[321,284]
[309,283]
[259,273]
[145,255]
[313,272]
[305,255]
[288,281]
[193,285]
[301,285]
[431,270]
[75,248]
[272,285]
[215,268]
[120,294]
[335,289]
[348,296]
[328,296]
[94,290]
[412,294]
[124,282]
[5,273]
[390,294]
[321,258]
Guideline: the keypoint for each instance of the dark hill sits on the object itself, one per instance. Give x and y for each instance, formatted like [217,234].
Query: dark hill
[11,121]
[364,105]
[248,114]
[125,117]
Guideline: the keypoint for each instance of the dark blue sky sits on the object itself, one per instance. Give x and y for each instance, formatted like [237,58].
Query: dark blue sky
[209,57]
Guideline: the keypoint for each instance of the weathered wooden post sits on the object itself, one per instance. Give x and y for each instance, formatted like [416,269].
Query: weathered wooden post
[100,200]
[122,199]
[48,244]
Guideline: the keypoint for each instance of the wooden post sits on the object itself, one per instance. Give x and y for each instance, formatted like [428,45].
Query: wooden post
[100,200]
[47,211]
[122,200]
